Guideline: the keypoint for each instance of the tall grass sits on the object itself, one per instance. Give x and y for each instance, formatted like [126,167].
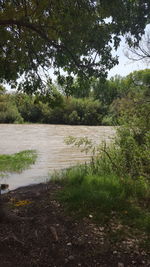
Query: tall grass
[103,195]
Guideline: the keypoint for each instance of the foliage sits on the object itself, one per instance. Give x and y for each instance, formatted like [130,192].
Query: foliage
[51,95]
[134,156]
[109,102]
[28,108]
[138,79]
[108,120]
[116,182]
[85,111]
[51,108]
[132,91]
[77,111]
[18,161]
[74,118]
[109,93]
[103,196]
[141,50]
[8,111]
[134,136]
[78,88]
[2,89]
[77,36]
[106,90]
[129,154]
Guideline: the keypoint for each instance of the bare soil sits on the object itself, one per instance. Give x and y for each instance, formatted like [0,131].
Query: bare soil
[47,236]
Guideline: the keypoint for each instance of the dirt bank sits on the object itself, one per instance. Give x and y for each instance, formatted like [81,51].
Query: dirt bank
[48,236]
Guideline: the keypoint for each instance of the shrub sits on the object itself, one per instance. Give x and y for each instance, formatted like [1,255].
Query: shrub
[74,118]
[8,111]
[107,120]
[84,111]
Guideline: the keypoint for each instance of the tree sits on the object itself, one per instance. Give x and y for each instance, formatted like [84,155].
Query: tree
[76,87]
[139,51]
[139,79]
[76,36]
[105,90]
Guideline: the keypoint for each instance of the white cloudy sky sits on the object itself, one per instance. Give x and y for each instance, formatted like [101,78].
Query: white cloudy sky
[127,66]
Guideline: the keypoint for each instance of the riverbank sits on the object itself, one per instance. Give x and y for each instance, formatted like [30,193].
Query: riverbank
[48,236]
[48,141]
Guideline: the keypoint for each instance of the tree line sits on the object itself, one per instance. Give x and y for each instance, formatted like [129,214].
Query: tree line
[100,102]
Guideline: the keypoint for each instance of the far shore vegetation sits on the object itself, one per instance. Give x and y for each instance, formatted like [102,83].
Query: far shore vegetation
[97,102]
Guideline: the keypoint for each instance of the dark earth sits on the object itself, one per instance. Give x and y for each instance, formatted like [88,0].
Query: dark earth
[44,235]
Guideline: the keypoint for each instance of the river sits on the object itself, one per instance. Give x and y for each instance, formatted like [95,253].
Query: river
[48,141]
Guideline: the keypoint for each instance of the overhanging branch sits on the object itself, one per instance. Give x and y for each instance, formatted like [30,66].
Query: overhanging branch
[42,34]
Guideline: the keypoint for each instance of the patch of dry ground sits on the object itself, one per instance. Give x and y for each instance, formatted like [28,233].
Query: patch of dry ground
[49,237]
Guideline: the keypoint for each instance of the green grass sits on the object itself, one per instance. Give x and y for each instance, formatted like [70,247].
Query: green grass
[101,196]
[18,161]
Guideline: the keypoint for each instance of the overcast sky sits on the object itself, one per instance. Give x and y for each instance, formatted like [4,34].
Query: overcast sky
[127,66]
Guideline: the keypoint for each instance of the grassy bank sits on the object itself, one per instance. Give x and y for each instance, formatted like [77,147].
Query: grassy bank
[103,197]
[18,161]
[121,205]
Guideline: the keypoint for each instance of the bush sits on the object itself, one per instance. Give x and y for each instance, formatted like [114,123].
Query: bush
[27,108]
[134,157]
[108,120]
[82,111]
[8,111]
[74,118]
[57,116]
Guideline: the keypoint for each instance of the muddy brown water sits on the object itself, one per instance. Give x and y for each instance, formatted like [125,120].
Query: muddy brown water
[48,141]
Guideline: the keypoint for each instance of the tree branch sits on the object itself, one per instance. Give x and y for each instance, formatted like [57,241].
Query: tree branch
[44,36]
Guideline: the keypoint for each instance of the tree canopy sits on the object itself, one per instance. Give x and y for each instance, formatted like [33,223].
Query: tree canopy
[140,51]
[76,36]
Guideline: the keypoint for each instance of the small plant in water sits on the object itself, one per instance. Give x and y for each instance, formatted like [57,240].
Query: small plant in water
[17,162]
